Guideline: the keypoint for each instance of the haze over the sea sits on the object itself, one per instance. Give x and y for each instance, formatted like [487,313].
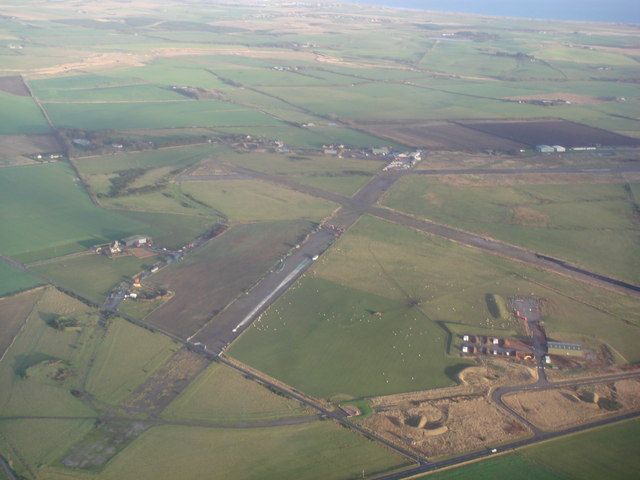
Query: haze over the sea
[625,11]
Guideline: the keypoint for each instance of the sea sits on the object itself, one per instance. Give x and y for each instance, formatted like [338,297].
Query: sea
[611,11]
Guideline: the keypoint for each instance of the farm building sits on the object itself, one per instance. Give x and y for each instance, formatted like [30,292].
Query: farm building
[559,148]
[381,151]
[545,149]
[563,348]
[136,241]
[115,248]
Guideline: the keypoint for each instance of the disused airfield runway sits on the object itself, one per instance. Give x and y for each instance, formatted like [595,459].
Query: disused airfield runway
[225,327]
[365,202]
[219,332]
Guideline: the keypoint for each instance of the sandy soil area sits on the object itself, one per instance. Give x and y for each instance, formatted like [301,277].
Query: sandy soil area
[448,425]
[451,420]
[561,408]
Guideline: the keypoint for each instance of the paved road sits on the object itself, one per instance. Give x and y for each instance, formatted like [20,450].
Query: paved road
[507,250]
[365,202]
[225,327]
[337,415]
[6,469]
[617,169]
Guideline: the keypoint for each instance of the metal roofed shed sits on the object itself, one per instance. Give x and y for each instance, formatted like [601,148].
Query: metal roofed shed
[564,348]
[545,149]
[136,241]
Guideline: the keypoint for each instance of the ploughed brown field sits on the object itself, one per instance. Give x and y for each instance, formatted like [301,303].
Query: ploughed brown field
[443,136]
[551,132]
[14,85]
[207,281]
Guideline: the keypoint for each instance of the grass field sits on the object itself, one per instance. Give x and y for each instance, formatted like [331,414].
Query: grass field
[46,362]
[48,214]
[315,450]
[27,385]
[608,452]
[340,175]
[12,280]
[323,323]
[14,311]
[126,356]
[20,115]
[368,319]
[223,396]
[139,309]
[33,443]
[168,157]
[93,276]
[254,200]
[593,225]
[106,116]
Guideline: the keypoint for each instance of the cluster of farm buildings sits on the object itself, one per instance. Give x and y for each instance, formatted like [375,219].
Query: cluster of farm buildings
[514,348]
[561,149]
[118,246]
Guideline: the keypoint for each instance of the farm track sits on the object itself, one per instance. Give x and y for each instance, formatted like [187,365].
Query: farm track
[508,251]
[337,416]
[6,469]
[622,169]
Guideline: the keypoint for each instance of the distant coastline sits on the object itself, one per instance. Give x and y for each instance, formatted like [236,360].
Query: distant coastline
[609,11]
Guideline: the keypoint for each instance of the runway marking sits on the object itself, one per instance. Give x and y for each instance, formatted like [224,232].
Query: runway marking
[305,263]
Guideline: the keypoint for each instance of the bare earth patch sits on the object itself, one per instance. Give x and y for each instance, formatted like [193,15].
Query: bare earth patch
[447,426]
[452,420]
[433,199]
[166,383]
[14,85]
[529,217]
[564,407]
[440,136]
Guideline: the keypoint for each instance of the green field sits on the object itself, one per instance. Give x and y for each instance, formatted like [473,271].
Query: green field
[106,116]
[223,396]
[254,200]
[12,280]
[20,115]
[175,157]
[26,385]
[45,363]
[392,294]
[608,452]
[113,93]
[592,225]
[47,214]
[315,450]
[126,356]
[323,323]
[340,175]
[93,276]
[39,442]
